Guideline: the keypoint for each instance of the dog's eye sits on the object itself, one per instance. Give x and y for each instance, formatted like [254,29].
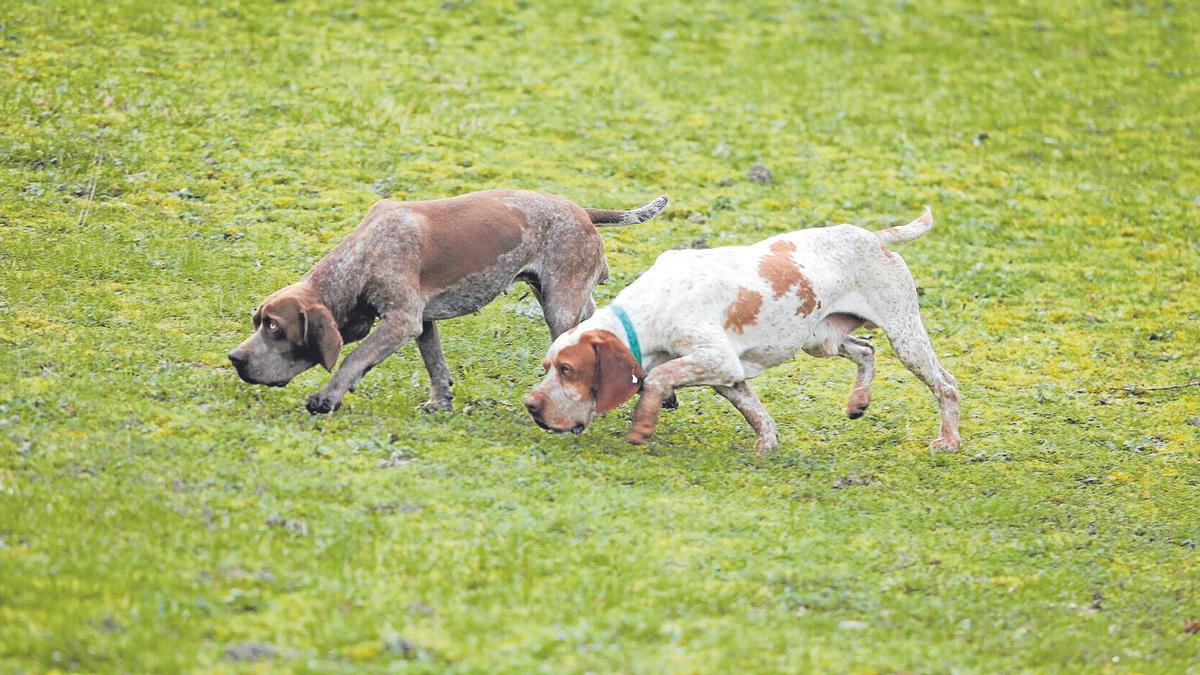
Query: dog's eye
[564,369]
[272,326]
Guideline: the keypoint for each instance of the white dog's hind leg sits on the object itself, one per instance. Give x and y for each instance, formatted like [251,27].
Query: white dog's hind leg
[746,401]
[911,343]
[835,340]
[863,355]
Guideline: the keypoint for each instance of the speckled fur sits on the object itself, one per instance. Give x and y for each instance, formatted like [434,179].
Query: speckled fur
[679,309]
[410,264]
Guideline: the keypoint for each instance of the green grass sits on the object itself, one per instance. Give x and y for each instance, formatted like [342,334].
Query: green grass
[164,166]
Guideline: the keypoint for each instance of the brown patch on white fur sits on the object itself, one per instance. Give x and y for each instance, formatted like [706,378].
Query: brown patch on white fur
[808,299]
[576,367]
[743,311]
[779,269]
[618,376]
[783,273]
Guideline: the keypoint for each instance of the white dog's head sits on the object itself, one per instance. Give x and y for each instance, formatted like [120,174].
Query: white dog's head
[588,373]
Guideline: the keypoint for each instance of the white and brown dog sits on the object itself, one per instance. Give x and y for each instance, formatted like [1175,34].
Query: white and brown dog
[719,317]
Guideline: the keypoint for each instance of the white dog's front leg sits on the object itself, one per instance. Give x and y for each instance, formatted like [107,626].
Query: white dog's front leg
[703,366]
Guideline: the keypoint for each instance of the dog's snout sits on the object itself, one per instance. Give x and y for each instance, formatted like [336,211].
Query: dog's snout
[238,360]
[534,405]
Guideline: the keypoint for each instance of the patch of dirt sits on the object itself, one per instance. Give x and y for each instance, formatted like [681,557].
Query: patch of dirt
[249,652]
[854,479]
[759,173]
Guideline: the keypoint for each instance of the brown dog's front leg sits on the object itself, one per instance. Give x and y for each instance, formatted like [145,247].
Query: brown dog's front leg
[391,334]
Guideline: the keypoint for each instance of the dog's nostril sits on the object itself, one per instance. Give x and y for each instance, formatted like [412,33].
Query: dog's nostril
[236,360]
[533,405]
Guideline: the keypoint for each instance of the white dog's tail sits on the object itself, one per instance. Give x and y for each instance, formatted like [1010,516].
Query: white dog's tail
[912,230]
[639,215]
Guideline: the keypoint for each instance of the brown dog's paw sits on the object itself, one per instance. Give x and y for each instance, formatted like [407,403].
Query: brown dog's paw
[436,405]
[636,437]
[765,445]
[319,404]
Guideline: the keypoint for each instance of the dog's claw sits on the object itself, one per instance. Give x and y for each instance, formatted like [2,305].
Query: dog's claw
[765,446]
[945,445]
[317,404]
[436,405]
[857,405]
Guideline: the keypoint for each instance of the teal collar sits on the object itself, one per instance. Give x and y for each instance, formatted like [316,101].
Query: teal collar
[630,333]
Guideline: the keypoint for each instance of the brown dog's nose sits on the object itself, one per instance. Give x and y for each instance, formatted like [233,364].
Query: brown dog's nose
[237,359]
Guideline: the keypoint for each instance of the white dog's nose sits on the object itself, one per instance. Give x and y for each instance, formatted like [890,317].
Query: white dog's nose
[534,403]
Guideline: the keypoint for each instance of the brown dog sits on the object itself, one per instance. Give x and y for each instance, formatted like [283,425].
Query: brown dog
[410,264]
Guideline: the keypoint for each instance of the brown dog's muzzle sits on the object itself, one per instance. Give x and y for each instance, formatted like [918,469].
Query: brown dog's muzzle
[242,360]
[239,360]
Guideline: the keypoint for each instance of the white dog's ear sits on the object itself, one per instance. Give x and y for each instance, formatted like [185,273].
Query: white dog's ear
[618,376]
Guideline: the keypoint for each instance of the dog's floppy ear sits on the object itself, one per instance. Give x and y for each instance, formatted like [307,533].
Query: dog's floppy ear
[618,376]
[321,334]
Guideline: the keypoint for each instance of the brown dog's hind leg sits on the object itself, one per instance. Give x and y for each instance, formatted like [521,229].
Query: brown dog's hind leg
[746,401]
[393,331]
[430,344]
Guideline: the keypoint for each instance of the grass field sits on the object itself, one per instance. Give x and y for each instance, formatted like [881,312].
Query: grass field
[164,166]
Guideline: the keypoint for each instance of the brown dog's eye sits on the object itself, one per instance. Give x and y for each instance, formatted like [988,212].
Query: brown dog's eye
[564,369]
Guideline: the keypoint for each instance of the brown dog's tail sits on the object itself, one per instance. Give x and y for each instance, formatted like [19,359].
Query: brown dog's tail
[912,230]
[641,214]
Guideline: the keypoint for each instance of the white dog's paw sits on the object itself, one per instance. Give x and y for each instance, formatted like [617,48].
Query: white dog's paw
[950,444]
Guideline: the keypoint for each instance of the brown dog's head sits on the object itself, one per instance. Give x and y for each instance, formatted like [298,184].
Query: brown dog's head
[588,373]
[293,331]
